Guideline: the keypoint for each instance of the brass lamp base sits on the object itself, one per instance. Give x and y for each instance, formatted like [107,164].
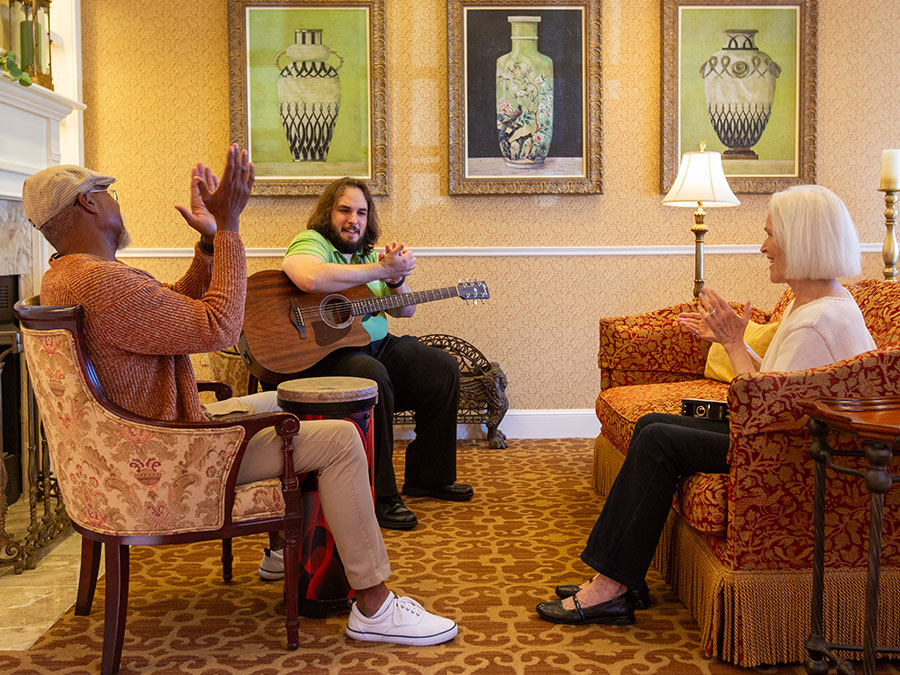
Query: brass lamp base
[889,250]
[699,229]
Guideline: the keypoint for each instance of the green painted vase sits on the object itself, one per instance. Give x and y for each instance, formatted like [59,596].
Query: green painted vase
[524,97]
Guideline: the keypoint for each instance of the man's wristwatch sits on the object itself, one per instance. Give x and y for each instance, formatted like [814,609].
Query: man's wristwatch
[398,284]
[206,248]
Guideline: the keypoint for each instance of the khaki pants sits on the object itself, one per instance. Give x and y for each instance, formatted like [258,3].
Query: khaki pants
[333,450]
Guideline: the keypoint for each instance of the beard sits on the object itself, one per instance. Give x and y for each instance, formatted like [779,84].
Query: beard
[124,239]
[340,244]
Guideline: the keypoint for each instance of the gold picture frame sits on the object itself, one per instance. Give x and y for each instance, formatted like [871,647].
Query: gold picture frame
[307,92]
[785,133]
[499,146]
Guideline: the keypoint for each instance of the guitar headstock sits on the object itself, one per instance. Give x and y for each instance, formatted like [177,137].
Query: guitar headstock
[473,290]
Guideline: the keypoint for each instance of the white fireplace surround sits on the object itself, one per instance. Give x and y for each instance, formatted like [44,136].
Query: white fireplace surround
[41,127]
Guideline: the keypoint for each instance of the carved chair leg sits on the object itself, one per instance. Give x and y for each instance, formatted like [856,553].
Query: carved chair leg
[291,583]
[117,560]
[227,559]
[87,577]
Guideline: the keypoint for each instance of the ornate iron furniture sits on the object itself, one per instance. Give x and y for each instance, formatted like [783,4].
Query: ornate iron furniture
[47,517]
[482,388]
[875,422]
[129,480]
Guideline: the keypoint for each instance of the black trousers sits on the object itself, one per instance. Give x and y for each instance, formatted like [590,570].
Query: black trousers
[410,376]
[663,448]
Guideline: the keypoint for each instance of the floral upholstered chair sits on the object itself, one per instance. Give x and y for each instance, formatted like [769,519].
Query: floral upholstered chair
[127,480]
[738,547]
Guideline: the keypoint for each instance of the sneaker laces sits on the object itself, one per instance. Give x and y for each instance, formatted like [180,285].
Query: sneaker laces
[405,604]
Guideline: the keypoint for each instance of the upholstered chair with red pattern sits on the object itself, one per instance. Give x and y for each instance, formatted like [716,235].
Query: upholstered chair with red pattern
[128,480]
[738,547]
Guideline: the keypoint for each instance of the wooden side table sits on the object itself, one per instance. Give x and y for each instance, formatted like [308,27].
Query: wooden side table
[876,421]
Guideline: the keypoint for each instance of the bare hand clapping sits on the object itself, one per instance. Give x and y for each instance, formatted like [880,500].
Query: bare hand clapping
[398,262]
[715,320]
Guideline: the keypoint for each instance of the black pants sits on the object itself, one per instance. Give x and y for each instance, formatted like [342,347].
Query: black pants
[410,376]
[663,449]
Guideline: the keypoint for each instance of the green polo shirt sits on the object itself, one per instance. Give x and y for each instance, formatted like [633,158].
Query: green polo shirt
[310,242]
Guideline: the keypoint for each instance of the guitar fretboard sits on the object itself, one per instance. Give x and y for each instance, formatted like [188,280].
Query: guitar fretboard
[384,303]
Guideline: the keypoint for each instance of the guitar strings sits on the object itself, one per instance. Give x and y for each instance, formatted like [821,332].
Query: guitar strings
[343,305]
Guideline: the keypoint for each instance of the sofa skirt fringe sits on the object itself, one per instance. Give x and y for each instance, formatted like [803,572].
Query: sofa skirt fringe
[759,617]
[607,462]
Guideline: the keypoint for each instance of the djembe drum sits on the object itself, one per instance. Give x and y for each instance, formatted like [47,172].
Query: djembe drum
[323,584]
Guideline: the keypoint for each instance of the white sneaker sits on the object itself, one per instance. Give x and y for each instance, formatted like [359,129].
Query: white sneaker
[403,622]
[272,566]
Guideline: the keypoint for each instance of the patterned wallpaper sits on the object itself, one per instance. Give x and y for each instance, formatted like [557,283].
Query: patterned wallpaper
[157,97]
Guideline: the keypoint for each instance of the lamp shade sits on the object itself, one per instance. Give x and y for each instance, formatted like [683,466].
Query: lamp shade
[700,179]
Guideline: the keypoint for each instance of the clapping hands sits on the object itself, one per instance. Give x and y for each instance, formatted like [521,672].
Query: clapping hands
[715,320]
[217,204]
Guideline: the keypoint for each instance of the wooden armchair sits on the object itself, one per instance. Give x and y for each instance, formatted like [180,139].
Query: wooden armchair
[128,480]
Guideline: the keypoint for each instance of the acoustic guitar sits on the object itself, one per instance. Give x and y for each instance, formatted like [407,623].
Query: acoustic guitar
[287,331]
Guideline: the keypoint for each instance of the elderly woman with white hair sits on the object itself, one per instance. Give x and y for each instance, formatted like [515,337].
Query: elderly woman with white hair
[810,243]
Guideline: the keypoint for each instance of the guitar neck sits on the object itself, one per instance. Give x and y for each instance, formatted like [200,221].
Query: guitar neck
[387,302]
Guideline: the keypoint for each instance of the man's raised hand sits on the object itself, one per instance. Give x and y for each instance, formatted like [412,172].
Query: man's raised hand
[226,201]
[198,216]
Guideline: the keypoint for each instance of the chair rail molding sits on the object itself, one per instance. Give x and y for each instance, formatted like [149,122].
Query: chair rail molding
[501,251]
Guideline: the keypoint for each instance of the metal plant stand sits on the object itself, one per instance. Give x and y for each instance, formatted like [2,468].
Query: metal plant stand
[876,421]
[47,514]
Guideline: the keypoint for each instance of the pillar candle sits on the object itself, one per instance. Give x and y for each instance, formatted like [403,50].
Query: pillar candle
[890,170]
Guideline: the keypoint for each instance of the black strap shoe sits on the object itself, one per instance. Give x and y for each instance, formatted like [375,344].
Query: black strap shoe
[615,612]
[452,492]
[640,596]
[392,513]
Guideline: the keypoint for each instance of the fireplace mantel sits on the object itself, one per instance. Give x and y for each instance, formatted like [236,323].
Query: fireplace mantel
[30,119]
[29,132]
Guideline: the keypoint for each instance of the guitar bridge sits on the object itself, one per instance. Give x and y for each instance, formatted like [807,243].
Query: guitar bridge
[296,317]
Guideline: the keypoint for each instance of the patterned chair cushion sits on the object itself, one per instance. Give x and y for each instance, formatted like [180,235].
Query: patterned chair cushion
[619,408]
[262,499]
[702,500]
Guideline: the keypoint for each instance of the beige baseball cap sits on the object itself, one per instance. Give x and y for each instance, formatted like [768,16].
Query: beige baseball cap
[48,192]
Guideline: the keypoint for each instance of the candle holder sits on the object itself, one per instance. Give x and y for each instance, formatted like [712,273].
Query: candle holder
[889,250]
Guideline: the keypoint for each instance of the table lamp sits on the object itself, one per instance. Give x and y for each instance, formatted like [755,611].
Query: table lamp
[700,182]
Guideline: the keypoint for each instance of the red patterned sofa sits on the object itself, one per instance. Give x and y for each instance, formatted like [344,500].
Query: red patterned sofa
[738,547]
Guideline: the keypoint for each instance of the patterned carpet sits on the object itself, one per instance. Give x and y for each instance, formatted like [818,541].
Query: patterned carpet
[486,563]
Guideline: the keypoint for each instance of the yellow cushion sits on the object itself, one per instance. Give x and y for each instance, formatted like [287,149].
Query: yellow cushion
[757,336]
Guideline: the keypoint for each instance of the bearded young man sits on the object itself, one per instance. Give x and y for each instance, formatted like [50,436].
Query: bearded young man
[334,253]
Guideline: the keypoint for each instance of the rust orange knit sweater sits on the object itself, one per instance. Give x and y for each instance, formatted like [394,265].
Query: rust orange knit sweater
[140,331]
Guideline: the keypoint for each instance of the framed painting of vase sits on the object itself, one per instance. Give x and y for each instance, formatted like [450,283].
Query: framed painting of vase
[524,96]
[308,94]
[741,76]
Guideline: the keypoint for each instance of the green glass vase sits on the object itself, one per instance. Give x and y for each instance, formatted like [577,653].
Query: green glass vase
[524,97]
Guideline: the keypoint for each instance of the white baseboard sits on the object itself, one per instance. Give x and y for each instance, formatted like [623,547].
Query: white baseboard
[563,423]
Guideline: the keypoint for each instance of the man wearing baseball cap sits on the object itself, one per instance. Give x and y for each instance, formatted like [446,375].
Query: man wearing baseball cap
[139,333]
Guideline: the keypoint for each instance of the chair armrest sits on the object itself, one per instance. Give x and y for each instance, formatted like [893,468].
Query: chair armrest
[651,347]
[222,390]
[771,475]
[638,349]
[763,402]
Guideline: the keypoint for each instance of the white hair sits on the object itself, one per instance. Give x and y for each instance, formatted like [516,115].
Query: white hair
[814,229]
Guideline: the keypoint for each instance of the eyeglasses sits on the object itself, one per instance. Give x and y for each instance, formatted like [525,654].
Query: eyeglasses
[112,193]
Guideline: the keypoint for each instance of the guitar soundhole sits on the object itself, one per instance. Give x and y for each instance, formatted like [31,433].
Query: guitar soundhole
[335,311]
